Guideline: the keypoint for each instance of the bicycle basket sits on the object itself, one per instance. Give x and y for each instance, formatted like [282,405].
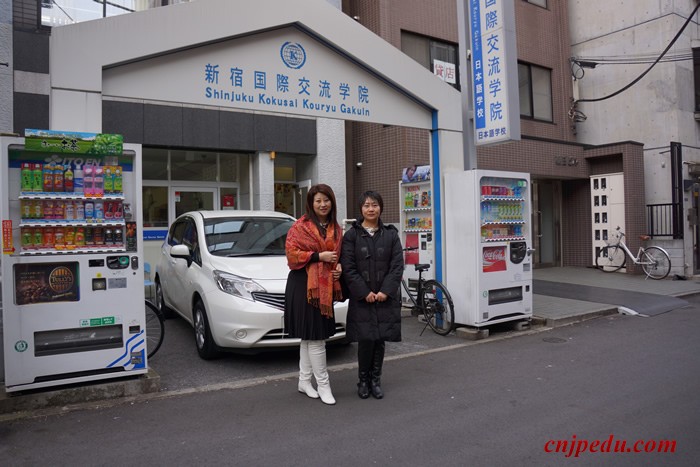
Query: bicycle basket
[613,239]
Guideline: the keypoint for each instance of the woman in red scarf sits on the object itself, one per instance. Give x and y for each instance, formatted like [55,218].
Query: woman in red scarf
[313,251]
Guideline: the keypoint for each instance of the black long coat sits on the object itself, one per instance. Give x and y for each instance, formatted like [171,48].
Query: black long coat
[373,264]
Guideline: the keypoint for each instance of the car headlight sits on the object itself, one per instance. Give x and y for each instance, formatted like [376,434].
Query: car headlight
[236,285]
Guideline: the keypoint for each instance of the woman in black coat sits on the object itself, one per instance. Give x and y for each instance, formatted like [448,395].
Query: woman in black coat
[372,264]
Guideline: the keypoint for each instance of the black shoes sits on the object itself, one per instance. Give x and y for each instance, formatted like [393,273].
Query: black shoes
[377,390]
[363,389]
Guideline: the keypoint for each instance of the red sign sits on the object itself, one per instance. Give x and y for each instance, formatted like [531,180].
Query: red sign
[494,258]
[227,202]
[7,245]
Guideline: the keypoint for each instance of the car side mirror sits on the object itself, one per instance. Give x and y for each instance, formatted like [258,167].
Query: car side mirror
[181,251]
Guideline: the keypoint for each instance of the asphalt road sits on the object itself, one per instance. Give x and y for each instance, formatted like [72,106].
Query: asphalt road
[496,402]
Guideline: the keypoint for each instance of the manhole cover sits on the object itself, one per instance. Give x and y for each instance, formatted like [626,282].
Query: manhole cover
[554,340]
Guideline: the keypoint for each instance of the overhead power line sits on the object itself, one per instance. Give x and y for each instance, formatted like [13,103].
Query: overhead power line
[636,80]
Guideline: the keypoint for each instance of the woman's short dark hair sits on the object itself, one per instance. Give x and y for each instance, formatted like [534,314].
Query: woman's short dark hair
[325,190]
[373,195]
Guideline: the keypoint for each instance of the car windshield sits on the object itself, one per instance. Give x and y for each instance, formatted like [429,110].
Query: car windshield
[246,236]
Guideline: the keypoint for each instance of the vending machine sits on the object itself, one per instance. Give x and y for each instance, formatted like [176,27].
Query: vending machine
[416,222]
[72,272]
[488,243]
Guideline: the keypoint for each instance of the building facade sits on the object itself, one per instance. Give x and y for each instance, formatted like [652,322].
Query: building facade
[613,44]
[183,142]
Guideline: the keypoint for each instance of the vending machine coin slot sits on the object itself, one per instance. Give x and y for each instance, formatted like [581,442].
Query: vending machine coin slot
[99,283]
[134,262]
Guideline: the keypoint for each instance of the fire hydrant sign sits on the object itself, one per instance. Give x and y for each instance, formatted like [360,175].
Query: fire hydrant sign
[7,246]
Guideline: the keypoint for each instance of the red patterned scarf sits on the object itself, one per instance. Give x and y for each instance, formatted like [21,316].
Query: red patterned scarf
[303,240]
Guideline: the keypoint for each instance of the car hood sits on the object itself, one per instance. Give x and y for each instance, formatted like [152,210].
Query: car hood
[253,267]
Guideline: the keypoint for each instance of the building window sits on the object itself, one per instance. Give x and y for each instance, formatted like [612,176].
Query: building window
[535,92]
[437,56]
[542,3]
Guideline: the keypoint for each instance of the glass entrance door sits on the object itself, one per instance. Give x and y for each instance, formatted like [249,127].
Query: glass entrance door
[184,199]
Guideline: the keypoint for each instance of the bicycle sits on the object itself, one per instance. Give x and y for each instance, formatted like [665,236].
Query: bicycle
[654,260]
[432,300]
[155,329]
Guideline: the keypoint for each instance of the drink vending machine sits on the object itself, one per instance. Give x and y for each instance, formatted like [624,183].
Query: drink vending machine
[416,222]
[488,240]
[72,288]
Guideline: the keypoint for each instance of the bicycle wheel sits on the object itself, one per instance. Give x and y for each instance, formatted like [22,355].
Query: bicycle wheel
[437,306]
[655,262]
[155,329]
[611,259]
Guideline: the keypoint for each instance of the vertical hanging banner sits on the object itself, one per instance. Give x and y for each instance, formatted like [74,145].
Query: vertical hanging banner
[494,61]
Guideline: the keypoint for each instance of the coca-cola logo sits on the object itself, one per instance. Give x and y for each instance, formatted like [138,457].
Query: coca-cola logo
[496,254]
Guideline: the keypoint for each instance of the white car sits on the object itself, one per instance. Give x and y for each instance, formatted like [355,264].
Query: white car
[225,272]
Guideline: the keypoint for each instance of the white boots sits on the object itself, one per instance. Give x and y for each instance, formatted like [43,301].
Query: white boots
[305,385]
[312,357]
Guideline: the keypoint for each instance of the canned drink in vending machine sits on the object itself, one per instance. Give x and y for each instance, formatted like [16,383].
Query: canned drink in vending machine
[89,236]
[109,236]
[118,236]
[99,236]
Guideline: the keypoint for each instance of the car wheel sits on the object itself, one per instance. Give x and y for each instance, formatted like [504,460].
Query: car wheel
[206,347]
[160,302]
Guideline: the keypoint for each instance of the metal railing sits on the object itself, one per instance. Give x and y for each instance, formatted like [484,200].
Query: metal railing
[665,220]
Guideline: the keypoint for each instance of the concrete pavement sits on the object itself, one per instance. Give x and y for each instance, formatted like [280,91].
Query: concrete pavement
[549,311]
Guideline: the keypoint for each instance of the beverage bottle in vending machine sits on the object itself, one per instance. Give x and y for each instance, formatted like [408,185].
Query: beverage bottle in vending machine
[27,240]
[48,237]
[79,211]
[48,178]
[80,237]
[78,181]
[99,210]
[26,177]
[118,210]
[38,238]
[38,209]
[37,178]
[88,180]
[118,182]
[89,210]
[48,209]
[26,209]
[58,178]
[59,238]
[98,181]
[108,180]
[68,179]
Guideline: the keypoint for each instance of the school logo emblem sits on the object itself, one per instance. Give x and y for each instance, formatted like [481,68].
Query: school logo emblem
[293,55]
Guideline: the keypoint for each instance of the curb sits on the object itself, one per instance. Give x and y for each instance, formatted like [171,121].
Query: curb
[68,395]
